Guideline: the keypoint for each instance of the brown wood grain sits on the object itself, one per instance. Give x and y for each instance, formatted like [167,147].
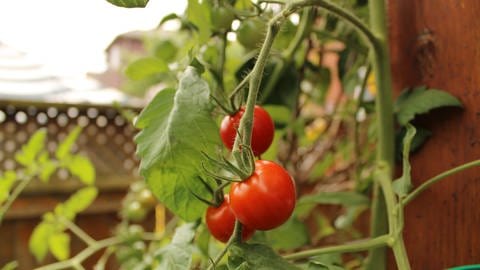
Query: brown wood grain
[437,43]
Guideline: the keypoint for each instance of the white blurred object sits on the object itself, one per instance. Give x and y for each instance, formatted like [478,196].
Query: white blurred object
[22,78]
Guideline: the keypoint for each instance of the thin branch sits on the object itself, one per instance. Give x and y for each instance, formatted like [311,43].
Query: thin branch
[350,247]
[425,185]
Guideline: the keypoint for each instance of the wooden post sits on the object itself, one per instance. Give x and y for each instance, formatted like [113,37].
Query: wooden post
[437,43]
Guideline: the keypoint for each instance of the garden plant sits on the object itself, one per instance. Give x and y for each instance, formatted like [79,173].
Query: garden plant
[241,148]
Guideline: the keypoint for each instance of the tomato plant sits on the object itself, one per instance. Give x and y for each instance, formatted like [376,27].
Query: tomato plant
[220,222]
[262,131]
[266,199]
[320,151]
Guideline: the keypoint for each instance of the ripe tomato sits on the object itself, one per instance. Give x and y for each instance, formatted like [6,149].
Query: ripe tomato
[262,131]
[266,199]
[221,222]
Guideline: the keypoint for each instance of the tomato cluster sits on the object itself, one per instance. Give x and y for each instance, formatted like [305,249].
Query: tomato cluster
[264,200]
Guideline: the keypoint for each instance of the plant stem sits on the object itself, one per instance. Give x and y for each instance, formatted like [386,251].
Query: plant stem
[16,192]
[425,185]
[246,123]
[355,246]
[80,257]
[384,112]
[394,215]
[78,231]
[400,253]
[287,56]
[235,238]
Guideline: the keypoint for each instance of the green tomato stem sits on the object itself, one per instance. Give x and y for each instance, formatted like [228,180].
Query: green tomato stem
[287,57]
[425,185]
[78,231]
[16,192]
[384,113]
[82,256]
[235,238]
[351,247]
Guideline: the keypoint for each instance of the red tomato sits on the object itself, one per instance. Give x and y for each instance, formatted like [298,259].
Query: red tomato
[221,222]
[266,199]
[262,131]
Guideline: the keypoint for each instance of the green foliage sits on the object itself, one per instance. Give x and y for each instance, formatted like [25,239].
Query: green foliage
[199,14]
[64,148]
[145,67]
[81,167]
[420,100]
[403,185]
[78,202]
[129,3]
[258,257]
[59,245]
[175,128]
[6,183]
[178,254]
[347,198]
[49,234]
[27,155]
[292,234]
[38,243]
[10,266]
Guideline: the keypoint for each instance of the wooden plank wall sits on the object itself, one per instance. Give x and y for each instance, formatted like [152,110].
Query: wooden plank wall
[437,43]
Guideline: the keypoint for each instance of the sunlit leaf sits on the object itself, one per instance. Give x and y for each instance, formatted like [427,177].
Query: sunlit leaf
[38,243]
[26,156]
[77,202]
[176,127]
[59,244]
[66,145]
[6,183]
[83,168]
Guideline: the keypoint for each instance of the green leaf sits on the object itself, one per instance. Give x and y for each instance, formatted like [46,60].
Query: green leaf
[83,168]
[6,183]
[59,244]
[129,3]
[10,266]
[421,100]
[175,130]
[26,156]
[38,243]
[145,67]
[292,234]
[258,257]
[77,202]
[346,198]
[66,145]
[199,14]
[46,170]
[178,254]
[403,185]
